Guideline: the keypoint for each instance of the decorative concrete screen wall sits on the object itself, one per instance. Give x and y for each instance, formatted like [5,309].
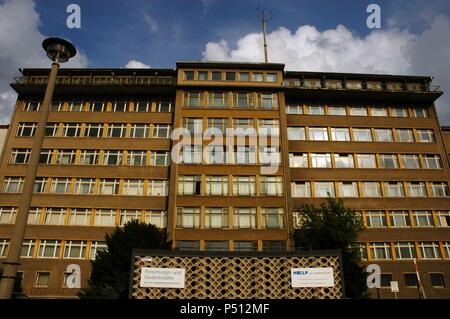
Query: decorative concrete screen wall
[234,275]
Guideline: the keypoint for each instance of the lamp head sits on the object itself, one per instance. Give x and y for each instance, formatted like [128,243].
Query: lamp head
[59,50]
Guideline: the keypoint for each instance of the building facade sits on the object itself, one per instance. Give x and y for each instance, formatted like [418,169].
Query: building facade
[108,157]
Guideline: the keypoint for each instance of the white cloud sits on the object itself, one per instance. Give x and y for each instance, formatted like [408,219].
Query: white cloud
[20,43]
[391,51]
[153,25]
[133,64]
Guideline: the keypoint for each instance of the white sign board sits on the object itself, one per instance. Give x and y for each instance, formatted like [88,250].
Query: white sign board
[394,286]
[162,277]
[312,277]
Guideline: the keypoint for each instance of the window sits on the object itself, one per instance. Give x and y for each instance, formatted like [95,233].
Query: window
[191,154]
[271,185]
[271,77]
[20,156]
[40,185]
[109,187]
[410,280]
[26,129]
[74,249]
[394,86]
[116,130]
[4,245]
[362,249]
[376,219]
[159,158]
[65,157]
[405,250]
[142,106]
[12,184]
[42,279]
[268,101]
[340,134]
[423,218]
[292,108]
[301,189]
[55,216]
[258,77]
[93,130]
[84,186]
[112,158]
[269,155]
[318,134]
[404,135]
[157,218]
[45,157]
[420,112]
[161,131]
[187,245]
[217,245]
[416,189]
[324,189]
[244,76]
[202,75]
[432,161]
[394,189]
[188,217]
[410,161]
[216,185]
[51,129]
[399,112]
[272,218]
[220,124]
[97,246]
[158,187]
[128,215]
[140,130]
[383,135]
[443,218]
[344,161]
[388,161]
[245,245]
[137,158]
[28,248]
[216,75]
[89,157]
[97,106]
[76,106]
[385,280]
[312,83]
[244,217]
[189,75]
[216,217]
[320,160]
[358,111]
[105,217]
[425,136]
[354,85]
[296,133]
[71,129]
[244,185]
[218,100]
[370,189]
[7,215]
[446,247]
[399,219]
[32,106]
[380,251]
[60,185]
[34,216]
[133,187]
[298,160]
[80,216]
[119,106]
[49,249]
[215,154]
[439,189]
[193,99]
[333,84]
[366,161]
[164,106]
[337,110]
[243,101]
[244,155]
[315,109]
[362,135]
[268,127]
[194,125]
[378,111]
[348,189]
[429,250]
[437,280]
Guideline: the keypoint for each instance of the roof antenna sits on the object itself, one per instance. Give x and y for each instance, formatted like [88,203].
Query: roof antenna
[265,15]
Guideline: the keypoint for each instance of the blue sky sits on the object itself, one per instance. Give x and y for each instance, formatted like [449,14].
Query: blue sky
[312,35]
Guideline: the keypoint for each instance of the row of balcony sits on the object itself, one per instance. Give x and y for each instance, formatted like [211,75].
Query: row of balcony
[99,80]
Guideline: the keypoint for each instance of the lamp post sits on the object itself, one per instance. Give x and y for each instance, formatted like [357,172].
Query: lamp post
[59,51]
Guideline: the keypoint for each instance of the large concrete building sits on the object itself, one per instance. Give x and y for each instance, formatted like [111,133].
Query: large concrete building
[373,140]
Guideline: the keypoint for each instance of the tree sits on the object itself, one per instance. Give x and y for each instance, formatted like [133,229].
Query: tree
[333,226]
[110,276]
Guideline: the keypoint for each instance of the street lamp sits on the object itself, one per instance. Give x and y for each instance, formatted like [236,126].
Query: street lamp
[59,51]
